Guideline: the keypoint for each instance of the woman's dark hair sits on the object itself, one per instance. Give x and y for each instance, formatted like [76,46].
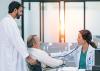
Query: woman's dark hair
[86,35]
[14,5]
[31,41]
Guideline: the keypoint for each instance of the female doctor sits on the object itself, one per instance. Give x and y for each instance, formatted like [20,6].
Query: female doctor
[85,53]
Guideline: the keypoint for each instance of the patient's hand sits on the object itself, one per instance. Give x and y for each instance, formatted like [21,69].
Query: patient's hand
[30,60]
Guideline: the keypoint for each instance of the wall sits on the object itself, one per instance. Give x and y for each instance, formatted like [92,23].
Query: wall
[93,17]
[31,19]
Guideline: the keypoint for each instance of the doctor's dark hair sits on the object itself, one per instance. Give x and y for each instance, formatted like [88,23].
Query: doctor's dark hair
[86,35]
[14,5]
[31,41]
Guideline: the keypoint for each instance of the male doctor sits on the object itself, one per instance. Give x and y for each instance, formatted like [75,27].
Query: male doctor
[13,52]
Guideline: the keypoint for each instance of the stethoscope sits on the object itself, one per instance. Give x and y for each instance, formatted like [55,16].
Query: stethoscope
[68,53]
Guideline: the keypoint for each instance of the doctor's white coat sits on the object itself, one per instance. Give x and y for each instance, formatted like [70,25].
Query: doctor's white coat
[89,57]
[12,48]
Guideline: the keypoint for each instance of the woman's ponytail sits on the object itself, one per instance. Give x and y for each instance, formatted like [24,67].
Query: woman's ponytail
[93,44]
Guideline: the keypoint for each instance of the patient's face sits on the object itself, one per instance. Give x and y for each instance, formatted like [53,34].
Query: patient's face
[37,39]
[80,40]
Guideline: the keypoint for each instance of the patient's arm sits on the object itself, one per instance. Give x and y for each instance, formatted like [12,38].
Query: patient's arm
[52,62]
[43,57]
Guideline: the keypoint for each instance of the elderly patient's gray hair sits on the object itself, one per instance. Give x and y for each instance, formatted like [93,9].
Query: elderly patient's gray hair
[31,41]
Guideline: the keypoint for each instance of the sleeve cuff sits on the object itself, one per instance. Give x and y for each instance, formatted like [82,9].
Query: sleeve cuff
[26,55]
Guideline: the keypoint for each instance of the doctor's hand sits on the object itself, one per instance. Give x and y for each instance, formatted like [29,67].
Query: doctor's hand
[30,60]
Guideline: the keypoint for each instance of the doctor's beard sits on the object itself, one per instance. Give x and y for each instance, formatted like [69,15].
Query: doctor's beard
[18,16]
